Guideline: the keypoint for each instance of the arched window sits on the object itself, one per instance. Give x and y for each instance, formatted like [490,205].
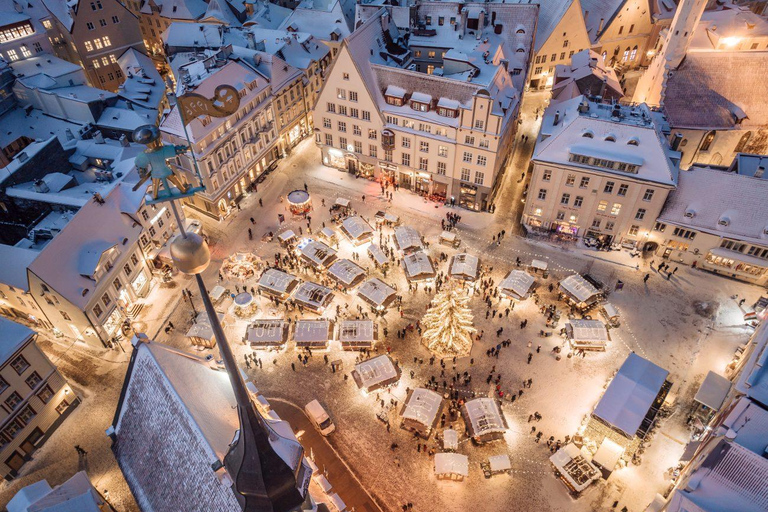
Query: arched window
[743,142]
[633,142]
[633,54]
[588,135]
[520,31]
[706,143]
[626,55]
[610,138]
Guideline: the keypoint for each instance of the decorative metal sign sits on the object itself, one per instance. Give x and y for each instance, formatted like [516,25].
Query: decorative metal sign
[224,103]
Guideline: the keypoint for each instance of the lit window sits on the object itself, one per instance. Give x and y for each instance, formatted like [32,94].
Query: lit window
[106,40]
[616,209]
[12,55]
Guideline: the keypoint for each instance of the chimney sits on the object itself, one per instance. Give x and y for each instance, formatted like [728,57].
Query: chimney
[603,87]
[251,40]
[600,26]
[480,23]
[41,187]
[124,141]
[464,16]
[557,118]
[98,137]
[676,140]
[69,135]
[385,22]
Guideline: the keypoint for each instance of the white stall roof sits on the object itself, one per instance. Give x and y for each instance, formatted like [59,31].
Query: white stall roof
[277,280]
[313,294]
[418,266]
[376,292]
[318,253]
[312,330]
[500,462]
[610,310]
[539,264]
[588,330]
[286,235]
[266,331]
[407,239]
[578,287]
[448,236]
[450,439]
[376,371]
[422,406]
[357,330]
[608,454]
[202,328]
[342,201]
[217,292]
[517,283]
[323,482]
[713,391]
[345,271]
[451,464]
[328,233]
[378,255]
[337,502]
[485,416]
[356,228]
[465,265]
[630,394]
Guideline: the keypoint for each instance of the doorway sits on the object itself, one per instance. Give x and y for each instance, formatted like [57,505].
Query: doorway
[15,462]
[351,166]
[28,446]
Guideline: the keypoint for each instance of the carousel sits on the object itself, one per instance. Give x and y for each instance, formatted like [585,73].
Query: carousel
[241,266]
[244,306]
[299,202]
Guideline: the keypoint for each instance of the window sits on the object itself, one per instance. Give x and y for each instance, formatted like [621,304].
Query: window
[660,227]
[326,124]
[743,142]
[578,201]
[388,155]
[633,230]
[372,150]
[353,112]
[625,56]
[13,400]
[97,310]
[358,146]
[542,194]
[406,142]
[345,76]
[102,22]
[343,142]
[732,245]
[479,177]
[467,157]
[609,226]
[485,144]
[341,94]
[469,140]
[707,142]
[640,215]
[423,164]
[47,24]
[26,414]
[482,160]
[20,365]
[106,40]
[623,189]
[633,53]
[565,44]
[608,187]
[115,19]
[96,6]
[465,175]
[356,130]
[89,26]
[328,140]
[352,96]
[570,180]
[38,47]
[479,125]
[684,233]
[96,64]
[331,107]
[758,252]
[596,223]
[424,147]
[3,385]
[441,168]
[546,175]
[13,428]
[406,159]
[342,126]
[342,110]
[584,182]
[105,61]
[62,406]
[372,134]
[602,206]
[45,394]
[537,70]
[442,151]
[565,199]
[88,46]
[562,56]
[66,316]
[616,209]
[553,57]
[648,194]
[366,115]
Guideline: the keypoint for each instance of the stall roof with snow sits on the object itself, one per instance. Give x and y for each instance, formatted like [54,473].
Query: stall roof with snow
[579,290]
[418,266]
[328,233]
[286,236]
[484,419]
[346,272]
[451,465]
[422,409]
[312,333]
[201,332]
[357,230]
[377,254]
[357,333]
[377,293]
[277,282]
[407,239]
[576,472]
[713,391]
[450,439]
[316,253]
[464,266]
[517,284]
[266,333]
[375,373]
[313,296]
[587,334]
[631,394]
[499,463]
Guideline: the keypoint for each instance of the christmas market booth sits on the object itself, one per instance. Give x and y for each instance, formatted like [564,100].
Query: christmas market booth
[316,253]
[376,373]
[498,464]
[710,397]
[299,202]
[287,238]
[573,468]
[357,230]
[484,419]
[450,239]
[377,293]
[313,296]
[312,333]
[377,255]
[244,306]
[277,283]
[346,273]
[516,285]
[328,235]
[408,240]
[418,267]
[587,334]
[451,466]
[386,218]
[450,440]
[357,334]
[465,267]
[266,334]
[421,411]
[579,292]
[240,266]
[201,333]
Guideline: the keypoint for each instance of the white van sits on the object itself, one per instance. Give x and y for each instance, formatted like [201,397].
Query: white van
[319,417]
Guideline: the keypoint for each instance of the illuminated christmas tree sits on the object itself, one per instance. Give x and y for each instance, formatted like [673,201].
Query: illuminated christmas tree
[447,326]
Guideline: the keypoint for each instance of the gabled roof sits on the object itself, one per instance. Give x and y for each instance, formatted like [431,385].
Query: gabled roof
[12,337]
[15,260]
[600,10]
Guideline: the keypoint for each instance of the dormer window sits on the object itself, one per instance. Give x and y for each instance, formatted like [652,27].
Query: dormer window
[447,107]
[633,142]
[420,101]
[394,96]
[610,138]
[419,106]
[588,134]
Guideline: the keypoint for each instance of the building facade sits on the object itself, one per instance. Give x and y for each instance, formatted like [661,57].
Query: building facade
[34,397]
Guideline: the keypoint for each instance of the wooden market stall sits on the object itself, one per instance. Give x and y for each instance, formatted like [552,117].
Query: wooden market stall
[277,283]
[484,420]
[316,253]
[587,334]
[408,240]
[376,373]
[516,285]
[421,411]
[464,266]
[313,333]
[418,266]
[377,293]
[357,230]
[346,273]
[357,334]
[266,333]
[313,296]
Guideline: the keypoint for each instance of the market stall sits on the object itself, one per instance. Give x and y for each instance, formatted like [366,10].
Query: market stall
[464,266]
[377,255]
[277,283]
[299,202]
[408,240]
[710,397]
[499,464]
[377,293]
[218,293]
[201,333]
[418,266]
[484,419]
[579,292]
[357,230]
[313,296]
[287,238]
[574,470]
[376,373]
[539,266]
[587,334]
[421,411]
[244,306]
[316,253]
[610,313]
[386,218]
[516,285]
[312,333]
[346,273]
[240,266]
[267,333]
[341,205]
[356,334]
[450,239]
[329,236]
[450,440]
[607,456]
[451,466]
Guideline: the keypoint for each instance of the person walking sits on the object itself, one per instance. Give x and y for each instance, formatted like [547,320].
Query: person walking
[80,450]
[645,279]
[530,356]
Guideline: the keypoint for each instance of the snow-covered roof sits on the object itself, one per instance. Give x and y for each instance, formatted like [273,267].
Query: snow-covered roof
[423,406]
[277,281]
[378,255]
[591,129]
[286,235]
[376,292]
[483,416]
[13,271]
[202,327]
[28,495]
[574,467]
[320,22]
[499,462]
[753,381]
[266,332]
[630,394]
[418,266]
[376,372]
[579,288]
[465,266]
[356,229]
[746,424]
[407,239]
[312,330]
[735,210]
[586,74]
[313,295]
[421,97]
[75,495]
[316,252]
[357,330]
[713,391]
[451,464]
[13,336]
[517,284]
[587,330]
[346,272]
[395,91]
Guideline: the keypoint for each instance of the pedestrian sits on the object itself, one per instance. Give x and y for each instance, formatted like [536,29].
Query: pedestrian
[253,221]
[530,356]
[80,450]
[306,189]
[261,203]
[647,276]
[363,197]
[293,366]
[538,349]
[674,270]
